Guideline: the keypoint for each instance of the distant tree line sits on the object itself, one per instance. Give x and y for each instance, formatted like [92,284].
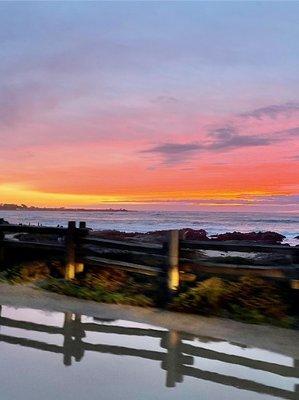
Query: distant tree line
[23,207]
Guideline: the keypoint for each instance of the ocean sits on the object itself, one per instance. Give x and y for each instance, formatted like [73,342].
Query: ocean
[145,221]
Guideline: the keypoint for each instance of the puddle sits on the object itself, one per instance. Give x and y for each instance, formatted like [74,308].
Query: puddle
[66,356]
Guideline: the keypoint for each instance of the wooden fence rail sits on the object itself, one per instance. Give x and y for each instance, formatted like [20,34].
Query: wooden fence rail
[165,260]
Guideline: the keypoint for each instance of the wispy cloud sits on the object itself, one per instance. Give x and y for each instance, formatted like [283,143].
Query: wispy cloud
[229,138]
[174,153]
[220,139]
[289,132]
[272,111]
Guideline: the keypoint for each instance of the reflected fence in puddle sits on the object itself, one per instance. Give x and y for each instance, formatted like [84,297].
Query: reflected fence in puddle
[176,357]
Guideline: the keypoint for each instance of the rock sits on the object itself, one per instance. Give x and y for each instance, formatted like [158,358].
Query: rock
[3,222]
[193,234]
[114,234]
[257,237]
[296,237]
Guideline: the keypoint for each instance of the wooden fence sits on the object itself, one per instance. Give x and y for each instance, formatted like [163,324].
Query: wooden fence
[168,260]
[177,356]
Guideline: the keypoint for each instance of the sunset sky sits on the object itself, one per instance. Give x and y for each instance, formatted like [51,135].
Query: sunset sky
[150,105]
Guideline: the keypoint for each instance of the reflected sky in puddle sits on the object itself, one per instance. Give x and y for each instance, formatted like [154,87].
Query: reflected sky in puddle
[47,356]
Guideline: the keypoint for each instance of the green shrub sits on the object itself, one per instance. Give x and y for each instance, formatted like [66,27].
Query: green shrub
[204,298]
[255,294]
[10,275]
[250,299]
[26,272]
[96,293]
[110,280]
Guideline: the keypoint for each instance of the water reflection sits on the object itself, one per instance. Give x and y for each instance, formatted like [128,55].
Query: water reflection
[180,355]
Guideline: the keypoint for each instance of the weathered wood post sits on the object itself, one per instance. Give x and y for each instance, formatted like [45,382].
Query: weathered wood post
[173,274]
[169,278]
[70,266]
[80,266]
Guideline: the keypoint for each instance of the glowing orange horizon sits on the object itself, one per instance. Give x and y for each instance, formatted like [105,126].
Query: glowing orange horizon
[209,198]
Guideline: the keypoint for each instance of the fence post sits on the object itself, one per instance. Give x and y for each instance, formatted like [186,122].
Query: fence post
[80,266]
[70,251]
[173,275]
[169,278]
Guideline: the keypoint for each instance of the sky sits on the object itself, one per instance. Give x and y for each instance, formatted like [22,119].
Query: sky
[150,105]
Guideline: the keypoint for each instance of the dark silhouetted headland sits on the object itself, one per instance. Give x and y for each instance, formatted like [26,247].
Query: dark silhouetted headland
[23,207]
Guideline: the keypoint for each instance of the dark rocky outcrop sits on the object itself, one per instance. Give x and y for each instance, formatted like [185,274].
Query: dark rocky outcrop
[155,236]
[257,237]
[3,222]
[114,234]
[193,234]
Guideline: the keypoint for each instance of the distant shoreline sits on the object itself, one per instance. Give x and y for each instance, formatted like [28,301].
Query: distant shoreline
[65,209]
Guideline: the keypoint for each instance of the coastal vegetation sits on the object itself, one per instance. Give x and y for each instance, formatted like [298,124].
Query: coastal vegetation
[248,299]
